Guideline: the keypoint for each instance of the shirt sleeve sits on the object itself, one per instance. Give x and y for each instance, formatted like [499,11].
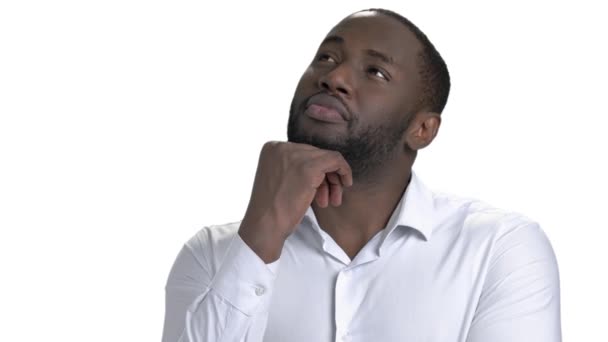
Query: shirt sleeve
[229,306]
[520,300]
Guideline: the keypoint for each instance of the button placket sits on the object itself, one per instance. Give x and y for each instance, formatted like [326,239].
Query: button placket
[342,306]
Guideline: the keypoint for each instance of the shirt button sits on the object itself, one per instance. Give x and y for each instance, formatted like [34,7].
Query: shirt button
[259,291]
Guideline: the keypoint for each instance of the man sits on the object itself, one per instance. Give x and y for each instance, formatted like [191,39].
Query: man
[341,241]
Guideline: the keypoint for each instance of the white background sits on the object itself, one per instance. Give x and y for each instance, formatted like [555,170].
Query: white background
[125,126]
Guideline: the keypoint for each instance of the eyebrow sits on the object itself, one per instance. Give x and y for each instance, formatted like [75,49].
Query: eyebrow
[377,54]
[370,52]
[333,39]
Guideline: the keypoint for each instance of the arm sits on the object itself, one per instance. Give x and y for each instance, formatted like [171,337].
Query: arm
[233,303]
[520,300]
[230,306]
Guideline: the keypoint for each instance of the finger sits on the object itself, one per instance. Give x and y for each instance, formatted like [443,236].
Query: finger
[335,189]
[306,147]
[322,195]
[334,162]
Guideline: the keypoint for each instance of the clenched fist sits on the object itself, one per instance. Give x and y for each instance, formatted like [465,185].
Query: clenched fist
[288,178]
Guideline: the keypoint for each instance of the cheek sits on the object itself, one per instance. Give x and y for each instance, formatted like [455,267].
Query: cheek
[384,102]
[409,97]
[308,77]
[305,84]
[375,104]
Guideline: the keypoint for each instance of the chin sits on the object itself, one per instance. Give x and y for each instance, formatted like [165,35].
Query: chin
[319,141]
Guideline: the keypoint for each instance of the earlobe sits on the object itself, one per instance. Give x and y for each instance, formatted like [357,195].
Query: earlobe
[423,129]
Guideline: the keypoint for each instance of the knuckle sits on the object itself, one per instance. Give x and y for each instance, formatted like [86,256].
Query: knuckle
[338,155]
[267,145]
[270,146]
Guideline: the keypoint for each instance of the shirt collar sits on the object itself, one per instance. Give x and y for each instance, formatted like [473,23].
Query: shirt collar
[415,210]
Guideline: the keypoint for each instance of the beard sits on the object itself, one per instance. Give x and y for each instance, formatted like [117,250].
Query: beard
[366,150]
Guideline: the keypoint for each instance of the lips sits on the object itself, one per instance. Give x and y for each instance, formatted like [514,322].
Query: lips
[327,108]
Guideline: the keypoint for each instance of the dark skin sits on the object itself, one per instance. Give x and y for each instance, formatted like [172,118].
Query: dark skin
[369,62]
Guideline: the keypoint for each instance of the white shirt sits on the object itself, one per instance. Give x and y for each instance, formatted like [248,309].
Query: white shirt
[443,269]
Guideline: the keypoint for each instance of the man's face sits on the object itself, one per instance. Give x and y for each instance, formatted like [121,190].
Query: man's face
[366,71]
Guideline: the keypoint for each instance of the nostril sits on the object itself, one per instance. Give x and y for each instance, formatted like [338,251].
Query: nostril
[342,90]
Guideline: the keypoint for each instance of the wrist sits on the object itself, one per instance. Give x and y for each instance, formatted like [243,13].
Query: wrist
[263,241]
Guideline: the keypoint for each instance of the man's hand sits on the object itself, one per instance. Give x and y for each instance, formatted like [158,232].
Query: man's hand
[288,178]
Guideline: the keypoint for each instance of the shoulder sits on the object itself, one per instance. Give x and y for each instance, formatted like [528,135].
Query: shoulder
[473,219]
[504,241]
[509,262]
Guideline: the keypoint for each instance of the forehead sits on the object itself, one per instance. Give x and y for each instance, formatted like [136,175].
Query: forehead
[371,30]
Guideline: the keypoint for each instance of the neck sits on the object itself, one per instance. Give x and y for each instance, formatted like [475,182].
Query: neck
[366,207]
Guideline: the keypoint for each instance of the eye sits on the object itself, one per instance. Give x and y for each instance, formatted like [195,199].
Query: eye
[378,73]
[323,57]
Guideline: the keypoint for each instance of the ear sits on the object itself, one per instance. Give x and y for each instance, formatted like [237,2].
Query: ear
[422,129]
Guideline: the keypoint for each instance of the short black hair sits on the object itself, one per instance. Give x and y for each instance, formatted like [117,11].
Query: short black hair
[435,85]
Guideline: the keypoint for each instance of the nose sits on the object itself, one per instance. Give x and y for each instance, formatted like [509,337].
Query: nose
[337,80]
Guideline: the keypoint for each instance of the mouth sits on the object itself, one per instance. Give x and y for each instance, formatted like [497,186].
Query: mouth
[326,108]
[322,113]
